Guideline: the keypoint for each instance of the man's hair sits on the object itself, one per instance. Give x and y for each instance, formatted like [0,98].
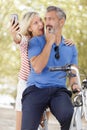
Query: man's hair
[61,14]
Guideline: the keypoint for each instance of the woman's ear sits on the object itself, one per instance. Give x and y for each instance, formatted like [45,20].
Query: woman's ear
[29,29]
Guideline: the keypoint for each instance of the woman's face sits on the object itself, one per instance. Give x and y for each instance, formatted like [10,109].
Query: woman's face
[37,26]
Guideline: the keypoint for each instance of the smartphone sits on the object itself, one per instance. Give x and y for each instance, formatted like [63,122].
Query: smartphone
[14,18]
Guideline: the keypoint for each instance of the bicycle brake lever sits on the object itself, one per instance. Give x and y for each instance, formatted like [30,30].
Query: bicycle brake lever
[70,74]
[75,91]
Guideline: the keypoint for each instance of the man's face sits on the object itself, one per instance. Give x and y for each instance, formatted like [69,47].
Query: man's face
[52,21]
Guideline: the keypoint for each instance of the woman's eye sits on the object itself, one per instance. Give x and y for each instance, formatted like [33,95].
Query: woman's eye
[35,22]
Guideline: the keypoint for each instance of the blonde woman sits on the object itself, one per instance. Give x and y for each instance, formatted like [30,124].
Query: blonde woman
[31,25]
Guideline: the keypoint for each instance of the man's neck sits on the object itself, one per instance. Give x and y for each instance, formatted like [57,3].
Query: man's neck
[58,38]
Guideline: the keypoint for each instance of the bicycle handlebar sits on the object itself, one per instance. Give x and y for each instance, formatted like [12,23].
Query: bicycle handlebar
[67,68]
[62,68]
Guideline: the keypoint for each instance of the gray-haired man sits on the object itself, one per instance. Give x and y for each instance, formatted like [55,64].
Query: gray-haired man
[44,88]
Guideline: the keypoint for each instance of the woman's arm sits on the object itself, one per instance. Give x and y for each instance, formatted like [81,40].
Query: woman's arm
[15,32]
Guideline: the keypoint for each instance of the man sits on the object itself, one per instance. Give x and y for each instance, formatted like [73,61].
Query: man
[45,88]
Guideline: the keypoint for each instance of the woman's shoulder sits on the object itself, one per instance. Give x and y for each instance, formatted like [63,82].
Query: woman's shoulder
[42,37]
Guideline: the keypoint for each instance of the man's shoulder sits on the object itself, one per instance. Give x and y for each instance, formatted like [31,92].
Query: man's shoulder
[68,46]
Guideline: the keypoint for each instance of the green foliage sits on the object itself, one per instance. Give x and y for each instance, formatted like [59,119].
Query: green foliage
[75,29]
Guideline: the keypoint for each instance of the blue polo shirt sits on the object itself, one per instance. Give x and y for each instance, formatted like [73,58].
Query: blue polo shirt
[68,55]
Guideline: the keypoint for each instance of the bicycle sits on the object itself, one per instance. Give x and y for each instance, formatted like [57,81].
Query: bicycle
[80,100]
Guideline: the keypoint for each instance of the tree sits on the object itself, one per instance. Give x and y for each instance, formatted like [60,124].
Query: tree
[75,29]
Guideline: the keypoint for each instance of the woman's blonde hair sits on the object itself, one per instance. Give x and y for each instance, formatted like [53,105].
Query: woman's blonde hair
[25,23]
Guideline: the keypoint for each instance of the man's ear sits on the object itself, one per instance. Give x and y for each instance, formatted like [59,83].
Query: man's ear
[62,21]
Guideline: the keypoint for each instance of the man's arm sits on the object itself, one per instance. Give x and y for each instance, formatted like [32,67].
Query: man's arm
[39,62]
[73,82]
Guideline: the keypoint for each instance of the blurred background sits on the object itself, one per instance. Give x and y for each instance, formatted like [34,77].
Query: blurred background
[75,29]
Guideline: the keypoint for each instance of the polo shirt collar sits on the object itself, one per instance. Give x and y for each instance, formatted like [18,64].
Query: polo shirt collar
[61,43]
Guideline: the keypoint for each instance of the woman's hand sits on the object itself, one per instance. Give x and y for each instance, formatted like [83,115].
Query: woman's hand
[15,31]
[69,42]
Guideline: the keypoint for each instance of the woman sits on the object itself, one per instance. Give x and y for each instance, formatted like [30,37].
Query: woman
[31,25]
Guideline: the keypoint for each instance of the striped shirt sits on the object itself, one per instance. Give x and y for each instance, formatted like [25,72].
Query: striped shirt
[25,64]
